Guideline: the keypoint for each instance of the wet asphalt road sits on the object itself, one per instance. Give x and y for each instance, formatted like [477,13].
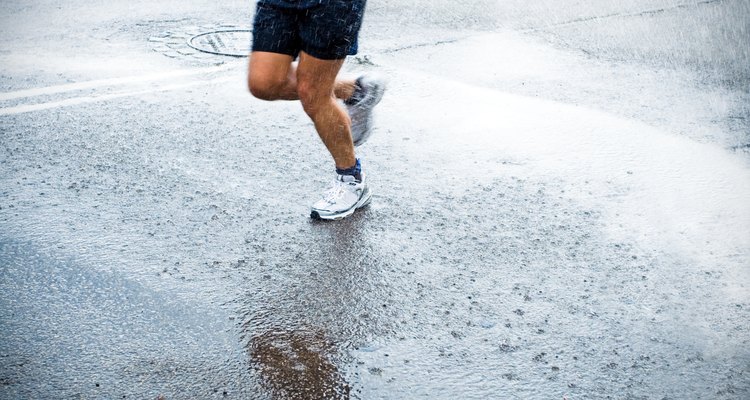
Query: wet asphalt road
[560,208]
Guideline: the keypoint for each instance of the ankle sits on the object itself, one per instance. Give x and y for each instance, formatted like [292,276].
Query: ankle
[355,170]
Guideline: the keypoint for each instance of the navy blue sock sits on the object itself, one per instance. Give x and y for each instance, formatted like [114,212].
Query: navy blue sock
[355,171]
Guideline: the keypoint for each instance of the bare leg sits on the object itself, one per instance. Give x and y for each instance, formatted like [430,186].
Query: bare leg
[273,76]
[316,80]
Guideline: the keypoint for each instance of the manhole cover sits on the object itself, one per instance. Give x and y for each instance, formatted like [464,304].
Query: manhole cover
[234,43]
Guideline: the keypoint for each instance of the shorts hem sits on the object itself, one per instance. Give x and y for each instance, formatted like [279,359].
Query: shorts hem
[290,52]
[329,56]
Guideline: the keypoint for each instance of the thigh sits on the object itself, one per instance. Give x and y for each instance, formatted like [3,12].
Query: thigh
[269,69]
[316,77]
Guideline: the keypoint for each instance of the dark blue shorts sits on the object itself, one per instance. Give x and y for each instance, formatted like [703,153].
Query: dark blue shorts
[325,29]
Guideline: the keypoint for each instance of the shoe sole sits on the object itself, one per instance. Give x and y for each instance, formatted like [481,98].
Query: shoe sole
[335,217]
[375,99]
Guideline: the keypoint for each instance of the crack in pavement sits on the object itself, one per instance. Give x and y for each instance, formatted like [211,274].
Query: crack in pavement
[624,15]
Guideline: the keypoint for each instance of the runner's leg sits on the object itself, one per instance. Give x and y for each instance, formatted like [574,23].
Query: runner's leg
[316,80]
[273,76]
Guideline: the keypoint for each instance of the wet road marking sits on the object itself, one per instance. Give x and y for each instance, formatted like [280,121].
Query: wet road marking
[25,108]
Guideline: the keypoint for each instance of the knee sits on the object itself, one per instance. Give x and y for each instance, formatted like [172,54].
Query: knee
[312,96]
[264,89]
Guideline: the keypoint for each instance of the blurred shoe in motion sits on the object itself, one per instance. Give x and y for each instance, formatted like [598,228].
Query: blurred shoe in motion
[368,91]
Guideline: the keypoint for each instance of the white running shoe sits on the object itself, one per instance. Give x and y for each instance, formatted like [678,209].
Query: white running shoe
[340,201]
[368,92]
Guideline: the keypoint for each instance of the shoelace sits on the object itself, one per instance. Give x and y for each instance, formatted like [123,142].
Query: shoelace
[335,192]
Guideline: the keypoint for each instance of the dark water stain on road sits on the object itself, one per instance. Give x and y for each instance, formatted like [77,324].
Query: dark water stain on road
[297,365]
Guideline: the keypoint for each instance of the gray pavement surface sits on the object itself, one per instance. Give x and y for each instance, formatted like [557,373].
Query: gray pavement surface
[560,208]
